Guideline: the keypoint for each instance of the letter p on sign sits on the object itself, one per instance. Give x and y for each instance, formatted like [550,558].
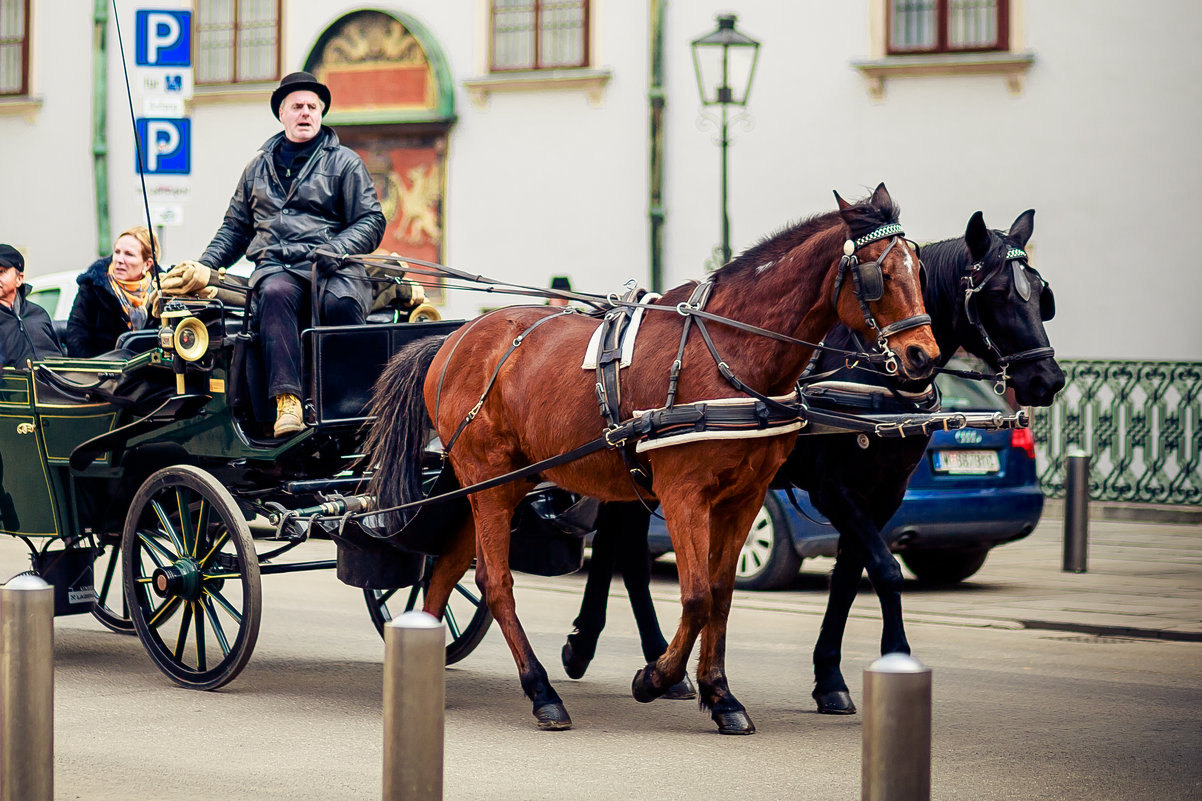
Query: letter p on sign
[164,38]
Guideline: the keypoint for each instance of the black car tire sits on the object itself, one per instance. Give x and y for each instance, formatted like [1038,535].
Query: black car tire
[767,560]
[944,567]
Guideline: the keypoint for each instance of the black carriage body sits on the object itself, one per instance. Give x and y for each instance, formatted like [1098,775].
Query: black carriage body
[78,437]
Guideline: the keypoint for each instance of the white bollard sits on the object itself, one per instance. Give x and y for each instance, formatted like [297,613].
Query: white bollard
[896,754]
[27,690]
[414,707]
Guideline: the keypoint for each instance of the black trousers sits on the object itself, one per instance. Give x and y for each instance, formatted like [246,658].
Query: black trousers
[284,311]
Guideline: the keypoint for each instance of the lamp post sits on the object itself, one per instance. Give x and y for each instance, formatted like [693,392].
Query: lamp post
[725,64]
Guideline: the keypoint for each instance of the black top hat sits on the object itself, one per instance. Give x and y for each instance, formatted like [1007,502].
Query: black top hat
[11,257]
[561,282]
[299,82]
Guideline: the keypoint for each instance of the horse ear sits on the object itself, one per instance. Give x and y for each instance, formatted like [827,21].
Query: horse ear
[843,204]
[976,236]
[1023,227]
[880,198]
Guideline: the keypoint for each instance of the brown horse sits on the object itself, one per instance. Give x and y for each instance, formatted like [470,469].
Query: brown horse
[507,391]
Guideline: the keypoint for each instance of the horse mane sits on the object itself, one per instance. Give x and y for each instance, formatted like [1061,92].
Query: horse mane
[862,218]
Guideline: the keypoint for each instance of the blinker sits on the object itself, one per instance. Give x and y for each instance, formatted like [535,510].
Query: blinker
[1047,303]
[872,282]
[1020,280]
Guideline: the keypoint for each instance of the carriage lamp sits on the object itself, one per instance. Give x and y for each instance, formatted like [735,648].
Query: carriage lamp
[191,339]
[725,64]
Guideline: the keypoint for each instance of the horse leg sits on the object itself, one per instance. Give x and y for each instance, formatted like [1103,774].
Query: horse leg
[581,644]
[830,688]
[634,560]
[726,538]
[449,568]
[493,511]
[688,524]
[860,534]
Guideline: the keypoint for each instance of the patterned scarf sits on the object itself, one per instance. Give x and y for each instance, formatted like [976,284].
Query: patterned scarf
[132,295]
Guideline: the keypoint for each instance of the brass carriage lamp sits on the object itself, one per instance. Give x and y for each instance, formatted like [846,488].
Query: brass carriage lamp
[725,64]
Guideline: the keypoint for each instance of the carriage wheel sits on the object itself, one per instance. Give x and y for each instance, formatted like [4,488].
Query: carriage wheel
[191,577]
[467,615]
[111,609]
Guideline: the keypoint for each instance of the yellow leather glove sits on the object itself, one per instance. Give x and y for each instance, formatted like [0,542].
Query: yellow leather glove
[187,278]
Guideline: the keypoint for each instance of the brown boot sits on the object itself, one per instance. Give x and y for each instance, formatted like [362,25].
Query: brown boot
[289,416]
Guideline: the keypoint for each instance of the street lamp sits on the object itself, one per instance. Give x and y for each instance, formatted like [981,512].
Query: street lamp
[725,63]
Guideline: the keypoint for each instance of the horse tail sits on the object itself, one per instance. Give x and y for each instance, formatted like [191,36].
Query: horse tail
[401,429]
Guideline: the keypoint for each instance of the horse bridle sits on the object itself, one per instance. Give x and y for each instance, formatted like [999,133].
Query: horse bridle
[975,280]
[868,280]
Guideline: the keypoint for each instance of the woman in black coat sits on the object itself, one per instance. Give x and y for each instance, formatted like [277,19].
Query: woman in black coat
[112,295]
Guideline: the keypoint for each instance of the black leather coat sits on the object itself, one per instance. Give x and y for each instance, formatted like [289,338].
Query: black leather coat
[26,332]
[332,205]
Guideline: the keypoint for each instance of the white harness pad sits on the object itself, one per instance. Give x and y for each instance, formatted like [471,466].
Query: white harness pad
[700,436]
[592,351]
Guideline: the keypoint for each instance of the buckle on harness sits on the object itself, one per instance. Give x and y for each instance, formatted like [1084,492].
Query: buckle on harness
[611,443]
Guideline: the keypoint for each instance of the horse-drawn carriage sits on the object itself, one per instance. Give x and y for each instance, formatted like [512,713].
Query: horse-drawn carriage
[154,464]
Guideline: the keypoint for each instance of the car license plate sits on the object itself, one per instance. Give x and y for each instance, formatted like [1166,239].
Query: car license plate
[966,462]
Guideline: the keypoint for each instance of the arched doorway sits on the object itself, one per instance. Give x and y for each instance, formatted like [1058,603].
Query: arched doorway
[393,103]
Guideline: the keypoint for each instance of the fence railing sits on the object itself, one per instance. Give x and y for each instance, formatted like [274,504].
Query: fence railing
[1141,422]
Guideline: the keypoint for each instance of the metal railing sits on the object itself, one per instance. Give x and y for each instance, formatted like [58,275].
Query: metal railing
[1141,423]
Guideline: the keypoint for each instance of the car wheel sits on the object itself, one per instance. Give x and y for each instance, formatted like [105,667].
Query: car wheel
[944,567]
[767,560]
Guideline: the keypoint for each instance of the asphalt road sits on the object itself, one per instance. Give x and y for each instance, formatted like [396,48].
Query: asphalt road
[1018,714]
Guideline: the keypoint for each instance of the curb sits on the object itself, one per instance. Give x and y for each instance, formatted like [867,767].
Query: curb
[1114,631]
[1131,512]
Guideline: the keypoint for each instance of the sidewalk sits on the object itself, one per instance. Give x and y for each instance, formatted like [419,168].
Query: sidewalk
[1142,580]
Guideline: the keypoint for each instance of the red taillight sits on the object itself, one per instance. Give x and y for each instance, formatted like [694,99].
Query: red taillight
[1023,438]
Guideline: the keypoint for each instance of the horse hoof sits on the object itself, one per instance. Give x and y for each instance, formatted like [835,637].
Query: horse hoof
[552,717]
[573,663]
[736,722]
[642,689]
[835,702]
[682,690]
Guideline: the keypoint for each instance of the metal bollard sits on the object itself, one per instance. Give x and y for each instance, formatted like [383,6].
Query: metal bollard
[27,690]
[1076,511]
[896,752]
[414,707]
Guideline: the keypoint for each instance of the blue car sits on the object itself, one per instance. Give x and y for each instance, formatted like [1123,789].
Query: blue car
[972,491]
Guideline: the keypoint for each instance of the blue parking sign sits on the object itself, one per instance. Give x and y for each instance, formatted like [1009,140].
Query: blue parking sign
[166,146]
[164,38]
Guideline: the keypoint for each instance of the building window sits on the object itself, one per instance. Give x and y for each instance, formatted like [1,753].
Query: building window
[237,41]
[14,47]
[539,34]
[948,26]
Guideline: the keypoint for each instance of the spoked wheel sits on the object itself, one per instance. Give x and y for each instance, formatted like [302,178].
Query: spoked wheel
[191,577]
[467,616]
[107,577]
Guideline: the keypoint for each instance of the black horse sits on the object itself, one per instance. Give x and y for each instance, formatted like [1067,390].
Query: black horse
[983,296]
